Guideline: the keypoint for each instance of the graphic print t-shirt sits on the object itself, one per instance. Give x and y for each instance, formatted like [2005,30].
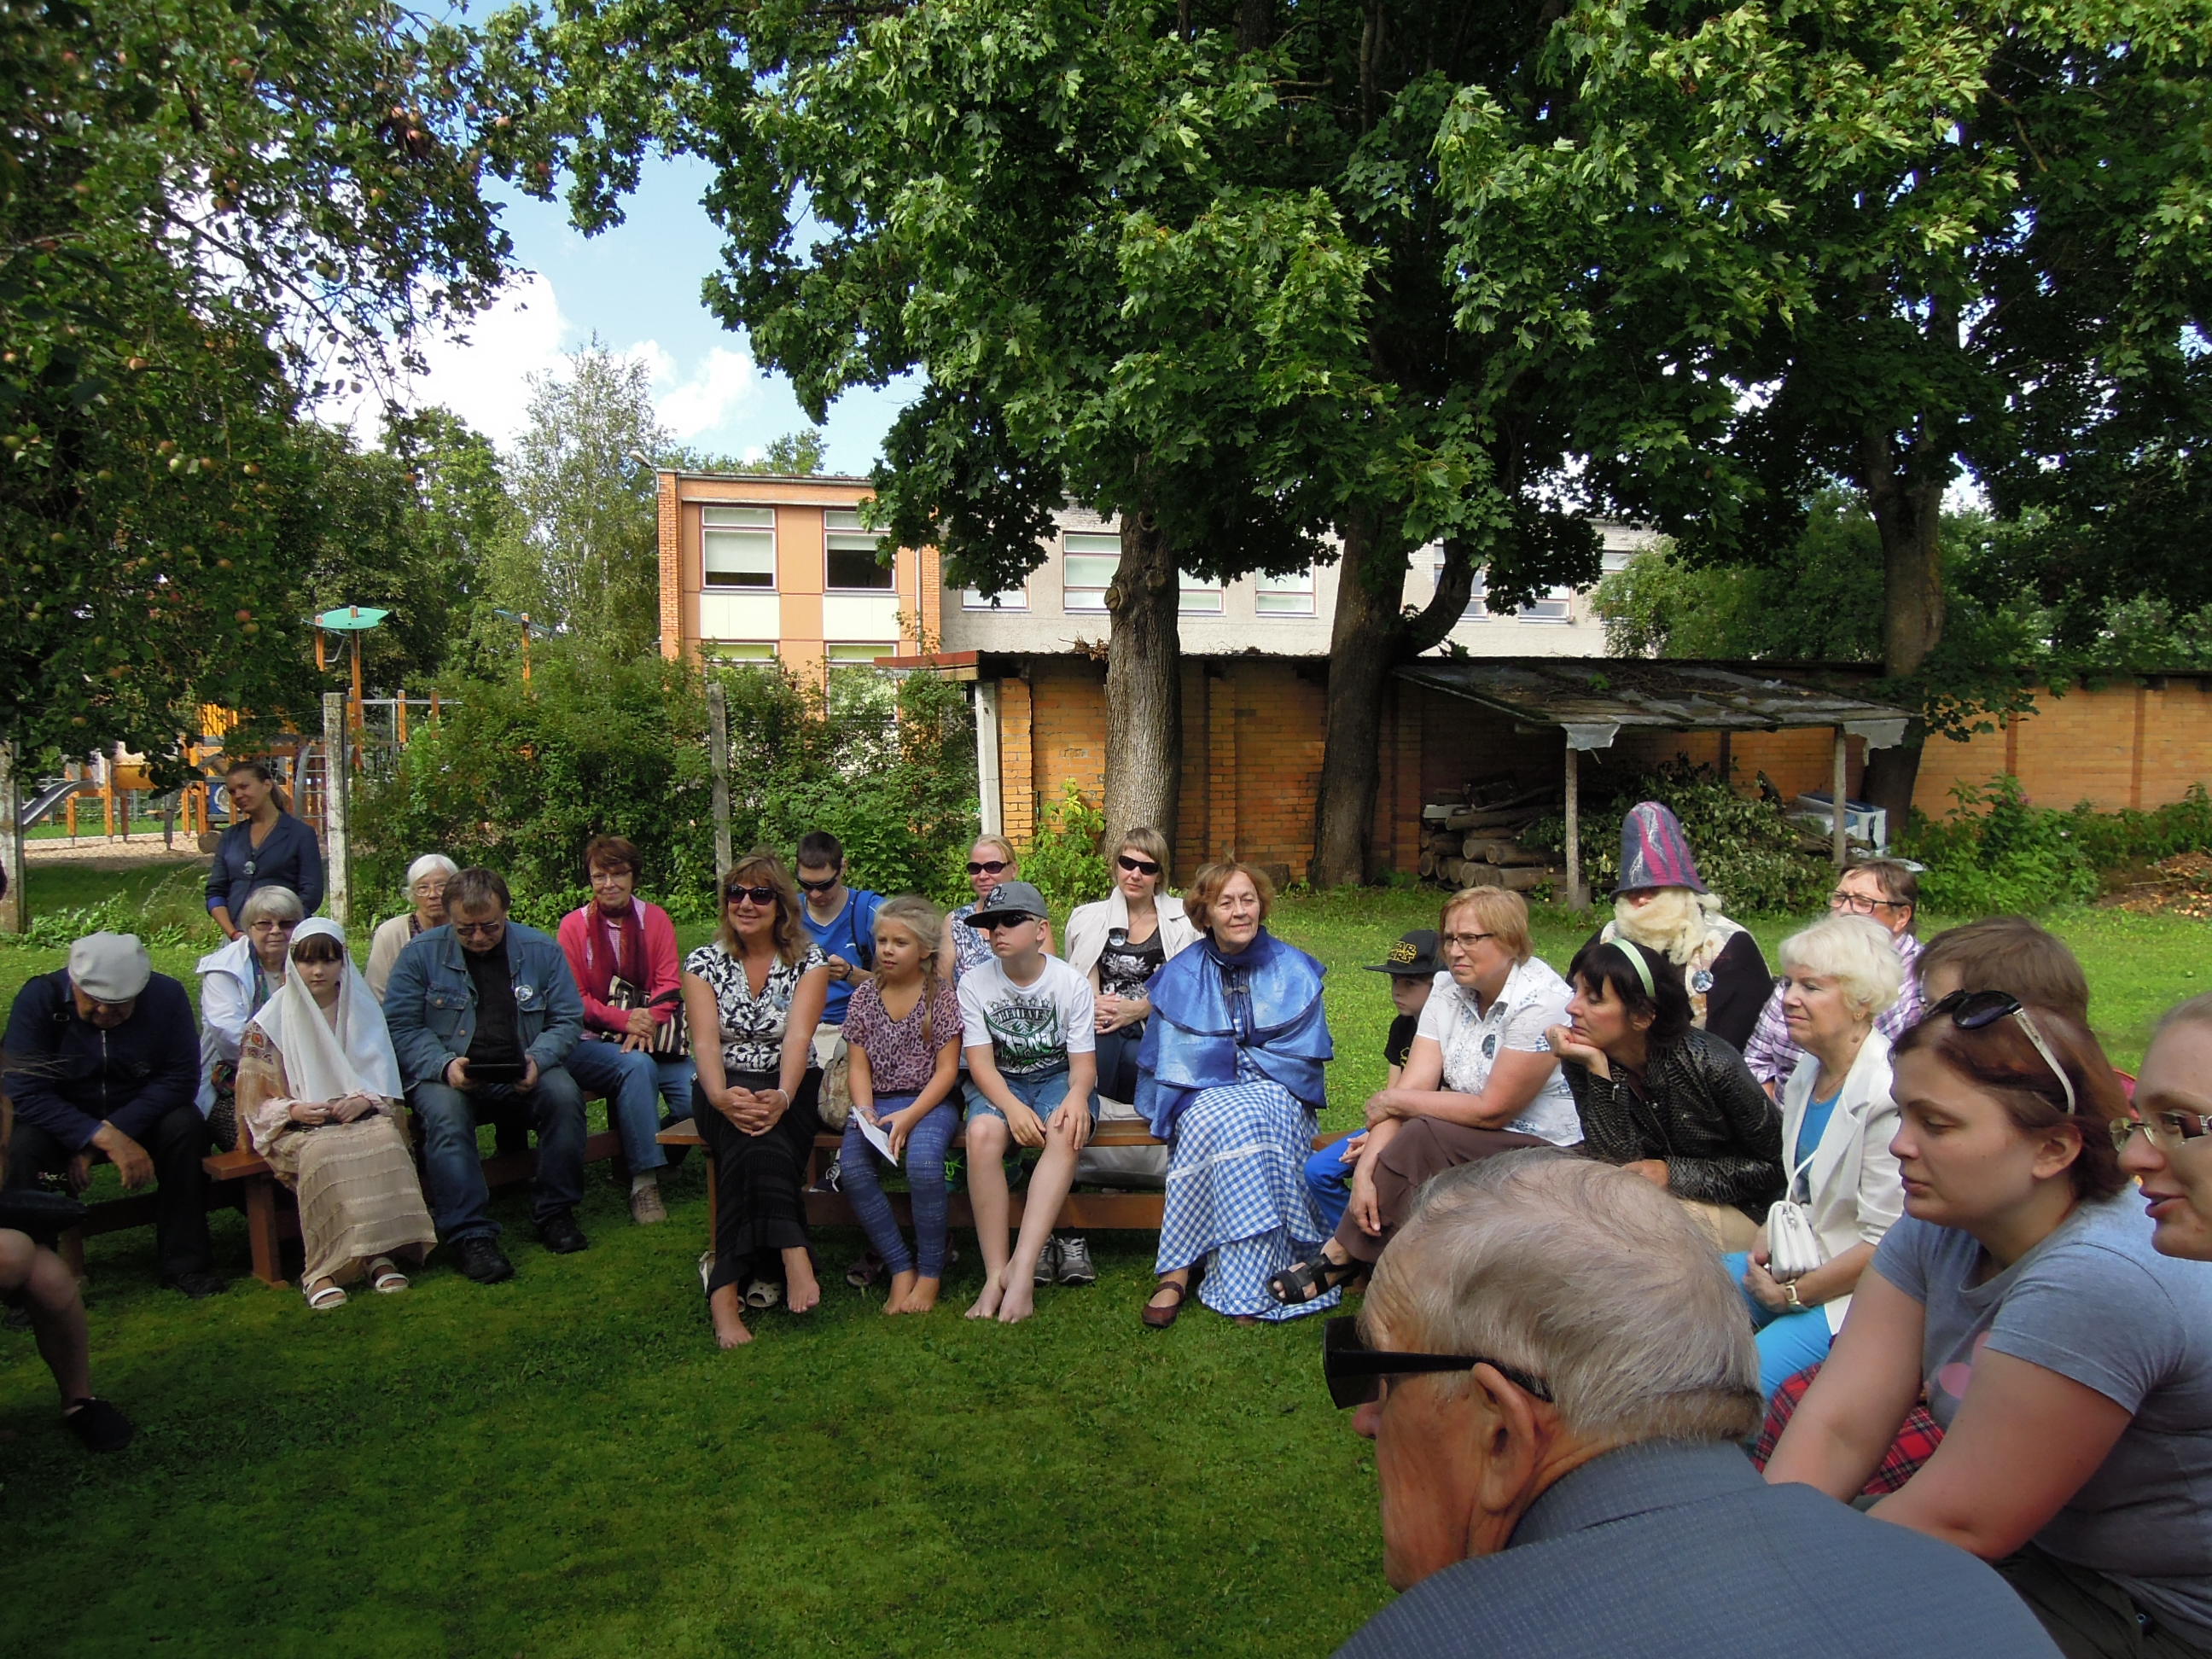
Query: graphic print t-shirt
[1031,1028]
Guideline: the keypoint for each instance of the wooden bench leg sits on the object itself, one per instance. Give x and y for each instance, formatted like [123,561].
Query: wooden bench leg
[261,1230]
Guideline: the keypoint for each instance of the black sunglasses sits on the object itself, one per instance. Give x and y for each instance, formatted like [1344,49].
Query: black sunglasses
[820,886]
[1354,1372]
[757,895]
[986,867]
[1973,1010]
[1142,867]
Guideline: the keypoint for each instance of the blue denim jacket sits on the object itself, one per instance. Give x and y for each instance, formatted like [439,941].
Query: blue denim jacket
[430,1003]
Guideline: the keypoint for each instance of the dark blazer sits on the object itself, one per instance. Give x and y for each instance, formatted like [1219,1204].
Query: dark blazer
[290,857]
[1673,1551]
[69,1074]
[1705,1114]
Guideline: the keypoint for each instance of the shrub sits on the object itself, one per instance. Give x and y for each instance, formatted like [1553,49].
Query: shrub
[1998,852]
[2114,840]
[1063,862]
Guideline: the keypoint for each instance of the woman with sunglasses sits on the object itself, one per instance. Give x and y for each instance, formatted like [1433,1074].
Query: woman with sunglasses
[991,862]
[760,983]
[2171,1157]
[1119,942]
[2069,1364]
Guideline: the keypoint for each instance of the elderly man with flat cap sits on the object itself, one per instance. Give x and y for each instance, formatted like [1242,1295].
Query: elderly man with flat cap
[1558,1377]
[104,1057]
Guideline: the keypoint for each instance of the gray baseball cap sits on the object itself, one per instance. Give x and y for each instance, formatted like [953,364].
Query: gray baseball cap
[1012,898]
[109,967]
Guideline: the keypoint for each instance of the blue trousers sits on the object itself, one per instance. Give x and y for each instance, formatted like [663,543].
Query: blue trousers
[1788,1342]
[460,1203]
[1328,1178]
[635,1084]
[861,1167]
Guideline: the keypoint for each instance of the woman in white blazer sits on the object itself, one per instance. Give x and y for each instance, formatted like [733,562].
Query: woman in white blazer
[1836,1121]
[1119,943]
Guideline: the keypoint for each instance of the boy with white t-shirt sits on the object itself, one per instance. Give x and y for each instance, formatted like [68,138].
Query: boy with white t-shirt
[1031,1041]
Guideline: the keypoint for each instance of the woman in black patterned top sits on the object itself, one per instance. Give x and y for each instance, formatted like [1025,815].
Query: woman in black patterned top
[761,985]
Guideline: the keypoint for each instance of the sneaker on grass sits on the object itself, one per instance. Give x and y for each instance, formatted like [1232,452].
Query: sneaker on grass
[1075,1267]
[1047,1266]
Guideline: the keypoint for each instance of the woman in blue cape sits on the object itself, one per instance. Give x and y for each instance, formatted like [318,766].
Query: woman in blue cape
[1231,1077]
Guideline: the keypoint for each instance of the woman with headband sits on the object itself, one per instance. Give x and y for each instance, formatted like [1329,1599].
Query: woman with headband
[1664,1099]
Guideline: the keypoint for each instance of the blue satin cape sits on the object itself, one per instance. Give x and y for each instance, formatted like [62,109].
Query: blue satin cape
[1206,1007]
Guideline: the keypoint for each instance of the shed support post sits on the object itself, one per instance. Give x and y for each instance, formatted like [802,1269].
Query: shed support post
[15,908]
[1577,895]
[1841,836]
[337,814]
[718,762]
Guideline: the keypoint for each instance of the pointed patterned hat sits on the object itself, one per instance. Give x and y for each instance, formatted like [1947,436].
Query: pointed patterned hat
[1655,853]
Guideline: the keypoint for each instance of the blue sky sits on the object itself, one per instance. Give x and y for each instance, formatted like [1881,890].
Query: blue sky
[638,287]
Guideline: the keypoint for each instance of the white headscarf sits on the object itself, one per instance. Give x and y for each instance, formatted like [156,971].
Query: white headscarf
[348,1052]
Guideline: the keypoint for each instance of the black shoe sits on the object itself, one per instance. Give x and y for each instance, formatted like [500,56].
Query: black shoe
[480,1258]
[98,1425]
[562,1235]
[199,1285]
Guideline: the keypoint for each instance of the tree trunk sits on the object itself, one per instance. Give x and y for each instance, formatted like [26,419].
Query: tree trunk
[1144,685]
[1907,510]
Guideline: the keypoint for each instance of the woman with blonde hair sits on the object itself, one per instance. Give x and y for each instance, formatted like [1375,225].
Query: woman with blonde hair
[990,861]
[760,984]
[1482,1078]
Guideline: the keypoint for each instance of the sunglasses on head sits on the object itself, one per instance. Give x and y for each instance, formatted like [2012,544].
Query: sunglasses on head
[822,886]
[986,866]
[1141,866]
[1973,1010]
[1354,1372]
[757,895]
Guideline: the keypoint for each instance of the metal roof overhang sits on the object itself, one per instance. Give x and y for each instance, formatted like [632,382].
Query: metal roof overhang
[1593,699]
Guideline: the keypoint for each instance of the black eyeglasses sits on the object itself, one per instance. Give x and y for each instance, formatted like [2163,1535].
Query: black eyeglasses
[1354,1372]
[757,895]
[822,886]
[1141,866]
[1973,1010]
[986,866]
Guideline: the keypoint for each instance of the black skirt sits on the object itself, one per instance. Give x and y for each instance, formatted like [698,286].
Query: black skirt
[760,1181]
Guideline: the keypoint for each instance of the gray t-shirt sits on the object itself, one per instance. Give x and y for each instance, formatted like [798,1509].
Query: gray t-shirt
[2097,1304]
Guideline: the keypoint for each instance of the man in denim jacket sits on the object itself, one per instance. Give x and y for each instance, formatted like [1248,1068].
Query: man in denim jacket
[483,1012]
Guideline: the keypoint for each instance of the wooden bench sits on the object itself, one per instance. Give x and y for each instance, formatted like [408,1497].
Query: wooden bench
[272,1218]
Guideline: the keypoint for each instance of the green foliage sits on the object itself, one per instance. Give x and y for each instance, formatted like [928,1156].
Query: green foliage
[1064,862]
[1747,849]
[2112,841]
[1997,851]
[791,455]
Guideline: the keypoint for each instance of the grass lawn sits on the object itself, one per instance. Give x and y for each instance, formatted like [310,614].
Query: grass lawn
[564,1464]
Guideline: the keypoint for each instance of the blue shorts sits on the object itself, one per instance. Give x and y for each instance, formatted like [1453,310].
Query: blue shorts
[1042,1095]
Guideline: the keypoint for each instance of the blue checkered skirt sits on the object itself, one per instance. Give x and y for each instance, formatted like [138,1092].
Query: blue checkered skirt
[1236,1197]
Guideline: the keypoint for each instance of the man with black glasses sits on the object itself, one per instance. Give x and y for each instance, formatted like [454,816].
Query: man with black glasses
[1888,890]
[1558,1377]
[841,920]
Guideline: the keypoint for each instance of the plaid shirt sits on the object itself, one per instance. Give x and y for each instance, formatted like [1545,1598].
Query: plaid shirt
[1772,1056]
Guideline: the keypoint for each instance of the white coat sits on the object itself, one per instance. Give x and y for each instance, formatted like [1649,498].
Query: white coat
[1089,924]
[1856,1193]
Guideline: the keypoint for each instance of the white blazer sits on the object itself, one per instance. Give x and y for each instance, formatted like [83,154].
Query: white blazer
[1089,924]
[1856,1193]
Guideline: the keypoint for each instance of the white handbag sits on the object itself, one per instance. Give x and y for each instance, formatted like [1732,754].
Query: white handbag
[1792,1249]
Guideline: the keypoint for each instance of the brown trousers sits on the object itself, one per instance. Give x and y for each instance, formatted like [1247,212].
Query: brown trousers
[1421,1148]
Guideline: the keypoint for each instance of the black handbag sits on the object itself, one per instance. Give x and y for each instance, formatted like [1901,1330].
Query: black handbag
[46,1216]
[671,1037]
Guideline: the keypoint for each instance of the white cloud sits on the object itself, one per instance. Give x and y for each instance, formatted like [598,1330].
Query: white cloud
[720,384]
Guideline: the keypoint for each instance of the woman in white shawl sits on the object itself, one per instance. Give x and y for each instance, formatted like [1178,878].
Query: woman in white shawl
[317,1093]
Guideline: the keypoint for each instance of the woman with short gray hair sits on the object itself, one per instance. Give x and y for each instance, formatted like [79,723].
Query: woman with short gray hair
[234,981]
[425,891]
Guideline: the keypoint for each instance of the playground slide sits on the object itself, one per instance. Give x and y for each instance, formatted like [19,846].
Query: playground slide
[48,798]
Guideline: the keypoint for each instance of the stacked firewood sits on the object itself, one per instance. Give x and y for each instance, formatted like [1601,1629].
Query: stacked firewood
[1472,839]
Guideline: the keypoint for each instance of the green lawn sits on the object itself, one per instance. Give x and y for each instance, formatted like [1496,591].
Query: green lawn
[565,1464]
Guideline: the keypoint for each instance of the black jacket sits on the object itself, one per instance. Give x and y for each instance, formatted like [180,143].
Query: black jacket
[1702,1112]
[69,1074]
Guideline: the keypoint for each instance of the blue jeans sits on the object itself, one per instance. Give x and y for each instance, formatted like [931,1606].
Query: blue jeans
[635,1084]
[862,1168]
[1042,1095]
[460,1203]
[1328,1179]
[1788,1342]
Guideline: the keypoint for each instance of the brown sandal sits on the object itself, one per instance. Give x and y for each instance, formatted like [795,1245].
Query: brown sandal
[1160,1318]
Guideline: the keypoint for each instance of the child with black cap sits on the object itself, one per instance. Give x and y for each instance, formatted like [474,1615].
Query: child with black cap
[1412,967]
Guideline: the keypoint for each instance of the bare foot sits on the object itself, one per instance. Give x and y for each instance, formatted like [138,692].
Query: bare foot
[922,1297]
[729,1324]
[1020,1301]
[994,1292]
[801,1290]
[901,1287]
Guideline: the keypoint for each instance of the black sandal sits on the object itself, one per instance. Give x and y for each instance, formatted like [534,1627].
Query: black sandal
[1307,1282]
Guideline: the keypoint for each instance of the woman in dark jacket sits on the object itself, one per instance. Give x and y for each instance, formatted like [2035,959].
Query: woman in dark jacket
[1663,1099]
[265,846]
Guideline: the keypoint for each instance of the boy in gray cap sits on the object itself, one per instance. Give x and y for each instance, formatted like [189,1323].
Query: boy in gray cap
[104,1057]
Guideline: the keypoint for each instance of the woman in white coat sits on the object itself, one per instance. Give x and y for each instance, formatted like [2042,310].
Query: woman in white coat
[235,983]
[1119,943]
[1836,1121]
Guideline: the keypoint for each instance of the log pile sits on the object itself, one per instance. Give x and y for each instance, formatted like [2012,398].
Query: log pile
[1472,839]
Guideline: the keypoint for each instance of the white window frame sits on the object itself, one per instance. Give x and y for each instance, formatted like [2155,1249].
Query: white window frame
[1196,596]
[852,530]
[1264,588]
[1014,599]
[836,664]
[1078,596]
[707,530]
[739,651]
[1537,611]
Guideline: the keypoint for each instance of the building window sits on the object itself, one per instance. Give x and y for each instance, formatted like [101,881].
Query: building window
[1014,599]
[739,546]
[1285,596]
[851,556]
[738,650]
[1087,570]
[1201,597]
[1551,608]
[858,656]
